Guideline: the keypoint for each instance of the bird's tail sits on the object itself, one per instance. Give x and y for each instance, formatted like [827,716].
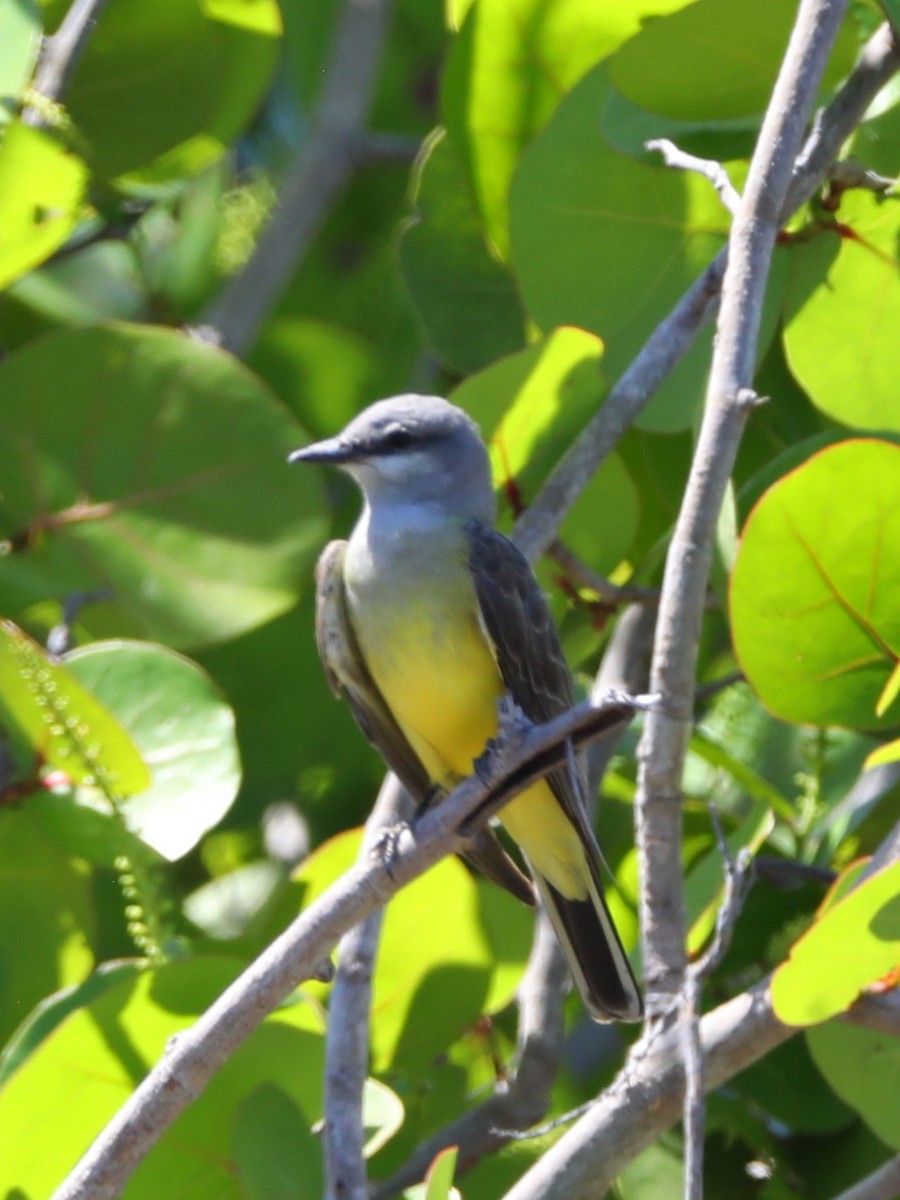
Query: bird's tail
[593,950]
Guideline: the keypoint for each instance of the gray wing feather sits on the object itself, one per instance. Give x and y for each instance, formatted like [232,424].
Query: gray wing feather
[347,676]
[523,634]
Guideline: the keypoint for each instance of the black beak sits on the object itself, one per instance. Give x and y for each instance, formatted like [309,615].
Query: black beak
[333,452]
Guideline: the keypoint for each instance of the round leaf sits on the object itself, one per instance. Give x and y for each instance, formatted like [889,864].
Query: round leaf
[815,592]
[210,61]
[602,241]
[467,300]
[715,59]
[437,959]
[184,731]
[862,1066]
[137,460]
[862,932]
[843,314]
[507,70]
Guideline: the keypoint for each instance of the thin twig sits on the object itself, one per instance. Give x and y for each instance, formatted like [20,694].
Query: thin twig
[737,877]
[515,762]
[675,334]
[713,171]
[60,53]
[883,1184]
[322,170]
[347,1039]
[585,576]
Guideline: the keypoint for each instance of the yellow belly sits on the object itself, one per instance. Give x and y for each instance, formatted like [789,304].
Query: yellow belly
[439,678]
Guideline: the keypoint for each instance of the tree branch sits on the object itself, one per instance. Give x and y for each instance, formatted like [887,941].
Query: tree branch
[521,755]
[347,1038]
[675,334]
[883,1184]
[60,54]
[713,171]
[322,170]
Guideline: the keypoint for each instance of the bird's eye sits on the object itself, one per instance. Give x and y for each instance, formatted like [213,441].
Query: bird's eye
[398,439]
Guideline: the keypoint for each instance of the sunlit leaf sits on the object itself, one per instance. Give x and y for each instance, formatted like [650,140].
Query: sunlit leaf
[815,594]
[184,731]
[854,944]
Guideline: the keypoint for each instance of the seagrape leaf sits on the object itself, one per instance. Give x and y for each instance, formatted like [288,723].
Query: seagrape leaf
[815,592]
[139,461]
[439,955]
[184,731]
[383,1115]
[843,311]
[466,299]
[210,61]
[531,405]
[47,920]
[862,1066]
[855,943]
[507,70]
[41,190]
[276,1154]
[66,725]
[96,1056]
[601,241]
[715,59]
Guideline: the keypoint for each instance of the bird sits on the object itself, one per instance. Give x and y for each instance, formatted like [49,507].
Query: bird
[425,618]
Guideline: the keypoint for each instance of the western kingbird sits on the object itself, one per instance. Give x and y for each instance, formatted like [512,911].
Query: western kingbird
[425,618]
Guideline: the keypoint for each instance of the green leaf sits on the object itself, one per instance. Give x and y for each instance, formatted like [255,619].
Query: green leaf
[606,243]
[862,1067]
[466,298]
[439,1180]
[786,1085]
[41,192]
[49,1012]
[99,1053]
[47,918]
[843,308]
[507,70]
[815,593]
[383,1115]
[855,943]
[66,725]
[715,59]
[887,753]
[710,749]
[890,693]
[21,21]
[184,731]
[179,499]
[532,405]
[437,957]
[161,90]
[276,1154]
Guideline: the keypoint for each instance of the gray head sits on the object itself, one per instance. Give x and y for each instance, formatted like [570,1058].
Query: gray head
[418,449]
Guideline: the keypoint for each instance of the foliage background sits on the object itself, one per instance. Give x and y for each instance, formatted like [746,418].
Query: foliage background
[505,239]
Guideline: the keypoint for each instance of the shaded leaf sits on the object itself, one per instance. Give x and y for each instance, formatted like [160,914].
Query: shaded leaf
[163,476]
[862,1067]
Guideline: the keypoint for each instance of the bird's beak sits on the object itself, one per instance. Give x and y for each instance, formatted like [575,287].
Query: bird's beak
[333,451]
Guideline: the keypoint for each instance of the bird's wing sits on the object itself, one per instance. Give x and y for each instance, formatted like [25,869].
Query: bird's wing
[347,675]
[520,627]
